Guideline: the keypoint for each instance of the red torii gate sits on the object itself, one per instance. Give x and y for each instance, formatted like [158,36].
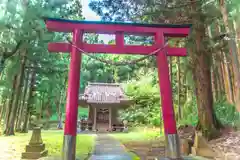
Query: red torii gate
[159,31]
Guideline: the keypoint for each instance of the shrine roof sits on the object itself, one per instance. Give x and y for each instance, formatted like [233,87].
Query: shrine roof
[120,23]
[103,93]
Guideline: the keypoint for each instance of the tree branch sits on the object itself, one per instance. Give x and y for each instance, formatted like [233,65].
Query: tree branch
[10,54]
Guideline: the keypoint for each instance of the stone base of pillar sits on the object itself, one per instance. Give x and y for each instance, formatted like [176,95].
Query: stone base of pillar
[184,158]
[172,146]
[69,148]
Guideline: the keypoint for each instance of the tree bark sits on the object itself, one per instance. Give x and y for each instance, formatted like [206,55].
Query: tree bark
[9,106]
[179,89]
[170,67]
[3,109]
[17,115]
[228,79]
[226,72]
[29,101]
[22,107]
[208,123]
[233,50]
[59,111]
[42,105]
[10,128]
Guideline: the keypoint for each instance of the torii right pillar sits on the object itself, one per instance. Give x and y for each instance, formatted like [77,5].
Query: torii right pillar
[171,136]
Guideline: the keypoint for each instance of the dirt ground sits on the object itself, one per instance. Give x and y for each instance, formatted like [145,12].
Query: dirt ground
[10,150]
[227,146]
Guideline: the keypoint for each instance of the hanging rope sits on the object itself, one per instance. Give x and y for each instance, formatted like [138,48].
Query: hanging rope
[121,63]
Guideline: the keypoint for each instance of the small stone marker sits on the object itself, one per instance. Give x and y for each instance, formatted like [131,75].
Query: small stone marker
[185,147]
[125,127]
[201,147]
[36,148]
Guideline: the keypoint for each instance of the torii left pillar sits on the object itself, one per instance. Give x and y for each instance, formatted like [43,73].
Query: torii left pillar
[70,130]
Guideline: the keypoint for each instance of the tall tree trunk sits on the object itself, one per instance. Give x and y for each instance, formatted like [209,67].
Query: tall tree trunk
[226,72]
[179,89]
[17,115]
[208,123]
[42,105]
[233,50]
[214,82]
[220,81]
[237,36]
[3,109]
[228,79]
[59,111]
[10,101]
[170,67]
[10,128]
[22,107]
[29,101]
[60,125]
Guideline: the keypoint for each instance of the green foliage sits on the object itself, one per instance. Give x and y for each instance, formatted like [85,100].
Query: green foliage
[227,114]
[190,114]
[146,109]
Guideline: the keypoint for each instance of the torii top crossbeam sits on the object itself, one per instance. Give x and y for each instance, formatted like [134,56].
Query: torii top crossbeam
[119,29]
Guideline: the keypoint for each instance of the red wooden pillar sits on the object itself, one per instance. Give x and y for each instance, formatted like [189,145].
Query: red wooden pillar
[171,136]
[70,129]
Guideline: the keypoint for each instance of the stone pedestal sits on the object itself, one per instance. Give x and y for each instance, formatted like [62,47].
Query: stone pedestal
[36,148]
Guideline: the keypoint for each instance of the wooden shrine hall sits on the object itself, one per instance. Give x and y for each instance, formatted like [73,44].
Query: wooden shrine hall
[104,100]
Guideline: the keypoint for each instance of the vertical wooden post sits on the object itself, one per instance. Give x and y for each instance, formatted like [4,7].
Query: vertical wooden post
[95,119]
[70,130]
[110,119]
[171,136]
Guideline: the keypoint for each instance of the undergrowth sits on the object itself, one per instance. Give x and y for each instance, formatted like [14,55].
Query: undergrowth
[225,112]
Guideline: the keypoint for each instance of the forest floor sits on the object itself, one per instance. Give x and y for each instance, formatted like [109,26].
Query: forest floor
[148,143]
[228,145]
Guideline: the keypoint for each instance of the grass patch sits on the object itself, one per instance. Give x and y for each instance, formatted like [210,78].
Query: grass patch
[138,134]
[53,141]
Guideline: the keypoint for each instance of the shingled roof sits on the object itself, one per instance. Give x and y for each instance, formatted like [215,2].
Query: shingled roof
[103,93]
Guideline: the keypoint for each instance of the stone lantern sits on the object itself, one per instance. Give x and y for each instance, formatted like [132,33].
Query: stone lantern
[36,148]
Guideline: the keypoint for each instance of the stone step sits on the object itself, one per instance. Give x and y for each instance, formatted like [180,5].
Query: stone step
[34,155]
[35,148]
